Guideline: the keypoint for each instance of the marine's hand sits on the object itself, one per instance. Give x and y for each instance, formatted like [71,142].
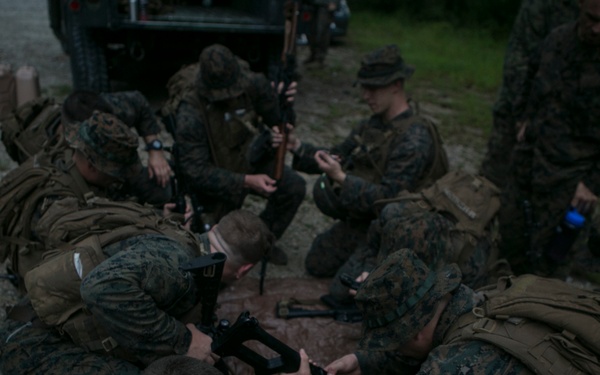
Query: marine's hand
[584,199]
[159,167]
[169,209]
[347,365]
[290,92]
[304,364]
[293,142]
[260,183]
[361,278]
[330,165]
[200,347]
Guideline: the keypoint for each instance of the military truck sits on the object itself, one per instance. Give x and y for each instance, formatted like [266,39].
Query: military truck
[116,39]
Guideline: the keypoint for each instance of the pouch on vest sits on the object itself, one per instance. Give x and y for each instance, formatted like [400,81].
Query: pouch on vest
[53,286]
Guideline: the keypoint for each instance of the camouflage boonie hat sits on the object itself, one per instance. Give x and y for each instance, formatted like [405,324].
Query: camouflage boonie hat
[399,298]
[108,143]
[220,75]
[382,67]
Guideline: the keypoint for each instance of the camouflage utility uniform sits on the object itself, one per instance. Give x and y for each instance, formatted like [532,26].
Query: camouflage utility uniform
[562,145]
[137,296]
[319,37]
[399,298]
[535,20]
[217,122]
[431,235]
[373,173]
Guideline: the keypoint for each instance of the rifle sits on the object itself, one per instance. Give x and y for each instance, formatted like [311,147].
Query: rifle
[228,339]
[348,281]
[286,74]
[286,310]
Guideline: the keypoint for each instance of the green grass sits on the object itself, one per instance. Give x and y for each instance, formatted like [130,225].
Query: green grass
[460,63]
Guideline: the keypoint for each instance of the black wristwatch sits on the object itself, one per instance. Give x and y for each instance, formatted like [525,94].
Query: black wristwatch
[154,145]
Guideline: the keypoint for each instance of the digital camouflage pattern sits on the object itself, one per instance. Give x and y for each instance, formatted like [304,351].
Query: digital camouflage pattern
[202,139]
[535,20]
[468,357]
[432,236]
[107,143]
[561,147]
[399,298]
[139,286]
[319,37]
[410,160]
[220,74]
[383,66]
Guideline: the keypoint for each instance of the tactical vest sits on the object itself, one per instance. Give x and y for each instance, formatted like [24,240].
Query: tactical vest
[369,158]
[31,127]
[78,233]
[231,132]
[22,194]
[550,326]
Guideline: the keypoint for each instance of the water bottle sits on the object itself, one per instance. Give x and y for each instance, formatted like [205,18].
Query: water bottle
[565,235]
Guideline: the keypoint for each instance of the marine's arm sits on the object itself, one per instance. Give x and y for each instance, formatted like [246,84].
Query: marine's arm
[407,162]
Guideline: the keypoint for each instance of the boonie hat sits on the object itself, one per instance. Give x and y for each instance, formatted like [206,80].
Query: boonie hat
[220,75]
[399,298]
[108,143]
[382,67]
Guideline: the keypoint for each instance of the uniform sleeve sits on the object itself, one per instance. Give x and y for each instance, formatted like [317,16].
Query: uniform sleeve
[384,363]
[134,295]
[410,157]
[195,158]
[133,109]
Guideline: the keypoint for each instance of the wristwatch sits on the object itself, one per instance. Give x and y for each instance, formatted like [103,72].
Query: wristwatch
[154,145]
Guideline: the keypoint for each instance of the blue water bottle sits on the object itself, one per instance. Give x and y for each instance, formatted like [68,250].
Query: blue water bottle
[565,235]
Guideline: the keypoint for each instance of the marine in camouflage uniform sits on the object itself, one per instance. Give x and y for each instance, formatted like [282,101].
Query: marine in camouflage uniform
[319,37]
[102,155]
[431,235]
[380,158]
[561,148]
[151,184]
[218,125]
[399,300]
[535,20]
[140,298]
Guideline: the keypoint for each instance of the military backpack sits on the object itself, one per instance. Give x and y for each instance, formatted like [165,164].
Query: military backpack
[77,233]
[31,127]
[552,327]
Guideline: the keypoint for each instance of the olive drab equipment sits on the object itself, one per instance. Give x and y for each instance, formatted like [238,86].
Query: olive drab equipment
[22,193]
[76,233]
[471,202]
[550,326]
[30,127]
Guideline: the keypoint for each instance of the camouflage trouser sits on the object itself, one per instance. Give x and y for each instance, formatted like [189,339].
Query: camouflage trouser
[43,351]
[401,225]
[320,33]
[332,248]
[495,164]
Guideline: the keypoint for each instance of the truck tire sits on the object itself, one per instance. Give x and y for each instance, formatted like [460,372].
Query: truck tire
[89,70]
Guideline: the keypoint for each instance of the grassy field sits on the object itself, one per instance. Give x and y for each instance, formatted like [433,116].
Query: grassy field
[458,70]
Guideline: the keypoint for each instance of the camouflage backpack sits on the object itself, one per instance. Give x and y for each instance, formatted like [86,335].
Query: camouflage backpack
[550,326]
[471,202]
[77,233]
[31,127]
[22,194]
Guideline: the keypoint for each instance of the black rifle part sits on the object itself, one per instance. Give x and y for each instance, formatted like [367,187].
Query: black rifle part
[286,309]
[207,271]
[348,281]
[231,343]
